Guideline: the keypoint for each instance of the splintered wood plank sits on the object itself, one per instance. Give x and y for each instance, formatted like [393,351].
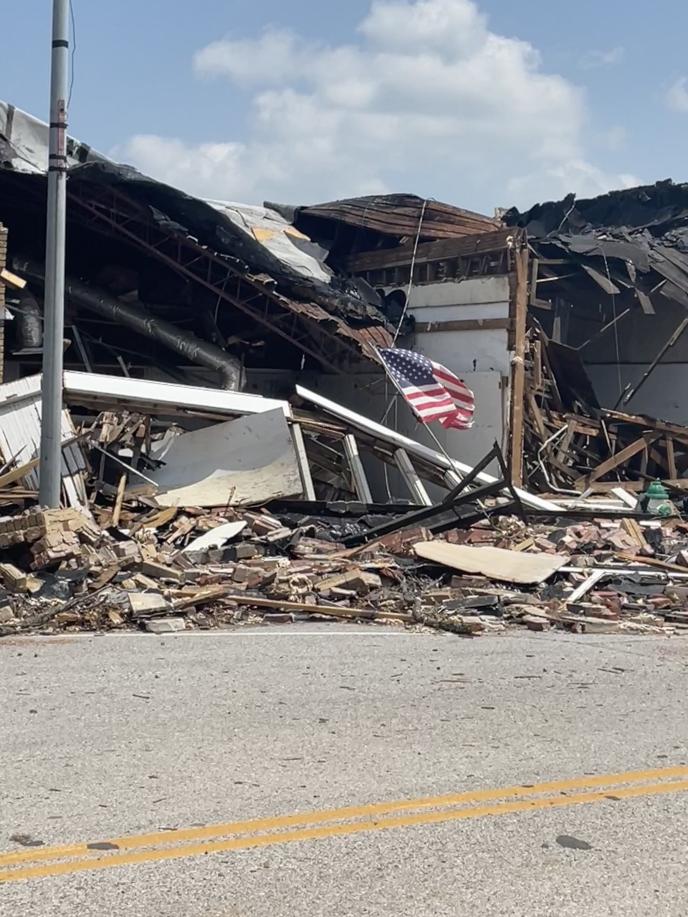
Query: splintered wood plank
[357,471]
[12,280]
[117,511]
[536,415]
[302,457]
[671,457]
[619,459]
[537,365]
[411,478]
[566,440]
[520,306]
[632,528]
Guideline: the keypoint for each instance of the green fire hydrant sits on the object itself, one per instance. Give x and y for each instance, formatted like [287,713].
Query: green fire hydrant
[656,502]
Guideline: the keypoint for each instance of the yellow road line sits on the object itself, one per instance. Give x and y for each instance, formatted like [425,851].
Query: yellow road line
[329,831]
[349,812]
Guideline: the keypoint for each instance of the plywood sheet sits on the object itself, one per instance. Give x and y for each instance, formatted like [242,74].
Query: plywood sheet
[495,563]
[238,463]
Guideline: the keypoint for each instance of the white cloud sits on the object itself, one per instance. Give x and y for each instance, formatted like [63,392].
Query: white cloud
[677,95]
[572,174]
[608,57]
[614,138]
[428,100]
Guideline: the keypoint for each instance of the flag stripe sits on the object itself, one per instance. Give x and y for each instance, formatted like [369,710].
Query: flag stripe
[432,391]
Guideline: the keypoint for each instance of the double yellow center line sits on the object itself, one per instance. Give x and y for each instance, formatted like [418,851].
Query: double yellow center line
[285,829]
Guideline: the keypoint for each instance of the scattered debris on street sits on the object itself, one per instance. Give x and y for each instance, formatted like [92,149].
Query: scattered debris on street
[254,551]
[248,394]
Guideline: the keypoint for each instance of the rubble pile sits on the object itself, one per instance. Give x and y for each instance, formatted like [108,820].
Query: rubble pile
[170,569]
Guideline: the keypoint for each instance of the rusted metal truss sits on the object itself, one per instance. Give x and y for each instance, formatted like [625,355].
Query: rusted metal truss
[302,324]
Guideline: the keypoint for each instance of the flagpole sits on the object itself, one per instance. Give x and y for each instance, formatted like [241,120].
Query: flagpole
[444,452]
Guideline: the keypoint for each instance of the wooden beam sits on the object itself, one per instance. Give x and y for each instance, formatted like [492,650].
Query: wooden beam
[565,442]
[601,487]
[402,256]
[536,415]
[119,500]
[619,459]
[537,366]
[632,528]
[661,426]
[520,310]
[304,467]
[652,562]
[467,324]
[16,474]
[12,280]
[331,611]
[410,476]
[671,457]
[534,268]
[357,471]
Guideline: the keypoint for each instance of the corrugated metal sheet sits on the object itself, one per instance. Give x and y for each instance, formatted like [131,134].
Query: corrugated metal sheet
[24,143]
[267,242]
[292,247]
[20,436]
[400,215]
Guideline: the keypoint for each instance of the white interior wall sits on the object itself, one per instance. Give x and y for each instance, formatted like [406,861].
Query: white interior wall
[663,395]
[469,446]
[481,351]
[636,343]
[480,357]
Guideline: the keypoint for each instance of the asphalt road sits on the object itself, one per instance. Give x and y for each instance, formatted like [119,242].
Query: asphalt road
[121,739]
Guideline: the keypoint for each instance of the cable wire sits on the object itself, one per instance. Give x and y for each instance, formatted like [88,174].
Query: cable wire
[413,265]
[71,66]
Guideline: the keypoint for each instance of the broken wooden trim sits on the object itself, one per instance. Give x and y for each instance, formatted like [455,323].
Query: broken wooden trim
[326,610]
[357,471]
[465,324]
[10,279]
[302,458]
[402,256]
[517,387]
[411,478]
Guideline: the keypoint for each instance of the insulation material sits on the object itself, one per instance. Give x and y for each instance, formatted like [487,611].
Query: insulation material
[283,240]
[238,463]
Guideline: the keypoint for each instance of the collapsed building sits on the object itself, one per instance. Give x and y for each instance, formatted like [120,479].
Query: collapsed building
[221,356]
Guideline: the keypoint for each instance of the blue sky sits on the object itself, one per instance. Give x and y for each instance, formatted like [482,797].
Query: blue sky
[266,99]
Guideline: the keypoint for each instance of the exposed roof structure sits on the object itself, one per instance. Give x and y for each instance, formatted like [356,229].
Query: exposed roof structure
[402,215]
[634,240]
[252,258]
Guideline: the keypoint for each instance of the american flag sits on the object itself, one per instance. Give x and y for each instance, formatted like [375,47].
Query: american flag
[432,391]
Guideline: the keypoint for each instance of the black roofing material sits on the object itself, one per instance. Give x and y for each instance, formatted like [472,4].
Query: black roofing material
[174,210]
[637,238]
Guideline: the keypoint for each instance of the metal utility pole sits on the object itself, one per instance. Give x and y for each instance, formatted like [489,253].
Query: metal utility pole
[50,463]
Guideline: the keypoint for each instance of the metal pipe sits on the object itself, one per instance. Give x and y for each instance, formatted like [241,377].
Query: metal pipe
[184,343]
[50,456]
